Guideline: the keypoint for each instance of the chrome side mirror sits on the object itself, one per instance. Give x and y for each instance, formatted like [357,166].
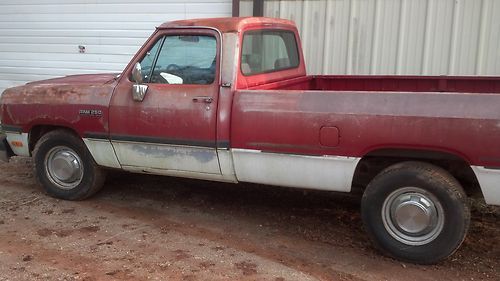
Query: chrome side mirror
[137,73]
[138,89]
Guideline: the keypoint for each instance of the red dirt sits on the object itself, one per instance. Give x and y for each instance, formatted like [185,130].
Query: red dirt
[146,227]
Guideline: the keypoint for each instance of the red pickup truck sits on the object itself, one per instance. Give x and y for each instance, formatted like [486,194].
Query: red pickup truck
[229,100]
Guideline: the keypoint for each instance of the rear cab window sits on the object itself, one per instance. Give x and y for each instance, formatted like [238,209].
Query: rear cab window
[265,51]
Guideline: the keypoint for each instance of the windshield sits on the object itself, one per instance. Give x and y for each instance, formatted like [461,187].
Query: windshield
[181,59]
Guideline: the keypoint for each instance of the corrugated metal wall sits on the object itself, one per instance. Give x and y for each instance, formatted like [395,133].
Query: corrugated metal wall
[39,38]
[412,37]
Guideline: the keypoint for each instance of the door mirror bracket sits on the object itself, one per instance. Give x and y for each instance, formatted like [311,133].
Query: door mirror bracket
[138,89]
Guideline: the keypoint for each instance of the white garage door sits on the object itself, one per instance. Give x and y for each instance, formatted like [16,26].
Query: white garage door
[40,39]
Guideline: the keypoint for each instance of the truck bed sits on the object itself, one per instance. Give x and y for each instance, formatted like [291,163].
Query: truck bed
[463,84]
[358,115]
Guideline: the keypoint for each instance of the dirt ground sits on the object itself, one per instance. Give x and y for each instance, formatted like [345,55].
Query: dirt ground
[146,227]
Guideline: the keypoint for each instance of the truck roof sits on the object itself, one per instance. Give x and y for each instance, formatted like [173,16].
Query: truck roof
[229,24]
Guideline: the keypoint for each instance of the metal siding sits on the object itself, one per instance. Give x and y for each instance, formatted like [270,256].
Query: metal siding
[246,8]
[39,38]
[405,37]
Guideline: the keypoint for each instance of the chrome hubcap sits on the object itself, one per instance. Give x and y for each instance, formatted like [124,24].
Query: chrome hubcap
[413,216]
[64,167]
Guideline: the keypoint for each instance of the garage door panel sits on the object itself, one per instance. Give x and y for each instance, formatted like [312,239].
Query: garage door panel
[74,40]
[57,17]
[102,25]
[71,2]
[118,8]
[21,63]
[73,58]
[138,7]
[69,33]
[49,70]
[67,48]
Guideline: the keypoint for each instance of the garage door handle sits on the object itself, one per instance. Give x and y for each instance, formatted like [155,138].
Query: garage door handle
[203,99]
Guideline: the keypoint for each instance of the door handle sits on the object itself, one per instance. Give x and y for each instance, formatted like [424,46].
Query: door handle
[203,99]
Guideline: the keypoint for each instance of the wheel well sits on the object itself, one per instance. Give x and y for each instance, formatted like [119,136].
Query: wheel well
[376,161]
[39,130]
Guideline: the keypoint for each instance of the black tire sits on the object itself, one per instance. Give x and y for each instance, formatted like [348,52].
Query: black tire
[385,196]
[83,184]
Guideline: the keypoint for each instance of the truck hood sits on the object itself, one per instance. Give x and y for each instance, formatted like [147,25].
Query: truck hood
[59,102]
[86,79]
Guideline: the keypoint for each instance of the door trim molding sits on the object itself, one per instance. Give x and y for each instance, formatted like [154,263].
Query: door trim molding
[222,144]
[160,140]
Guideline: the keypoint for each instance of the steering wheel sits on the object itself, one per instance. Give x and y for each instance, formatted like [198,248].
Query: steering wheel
[173,67]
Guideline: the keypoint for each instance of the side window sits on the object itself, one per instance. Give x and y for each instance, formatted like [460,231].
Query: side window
[148,60]
[268,51]
[186,59]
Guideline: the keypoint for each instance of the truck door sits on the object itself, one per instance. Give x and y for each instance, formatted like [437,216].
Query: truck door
[174,126]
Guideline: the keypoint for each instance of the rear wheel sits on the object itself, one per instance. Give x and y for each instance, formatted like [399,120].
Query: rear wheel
[64,167]
[416,212]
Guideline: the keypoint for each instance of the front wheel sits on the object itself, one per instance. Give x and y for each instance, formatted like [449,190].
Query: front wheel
[416,212]
[64,167]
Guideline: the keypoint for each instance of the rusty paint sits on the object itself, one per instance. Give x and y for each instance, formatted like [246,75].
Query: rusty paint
[168,111]
[227,25]
[167,157]
[282,111]
[17,143]
[57,102]
[462,124]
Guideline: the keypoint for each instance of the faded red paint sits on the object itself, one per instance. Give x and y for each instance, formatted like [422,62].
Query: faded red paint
[234,24]
[168,112]
[57,102]
[240,26]
[367,121]
[460,84]
[279,112]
